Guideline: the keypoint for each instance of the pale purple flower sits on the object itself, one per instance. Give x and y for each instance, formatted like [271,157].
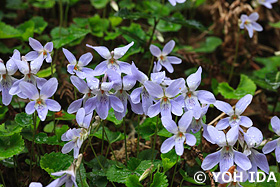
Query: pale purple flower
[230,180]
[267,3]
[111,59]
[76,138]
[83,119]
[249,22]
[40,101]
[163,59]
[180,135]
[103,100]
[197,121]
[6,80]
[39,52]
[122,86]
[35,184]
[29,70]
[140,93]
[235,118]
[83,88]
[274,144]
[226,156]
[253,138]
[173,2]
[193,96]
[69,179]
[166,100]
[78,67]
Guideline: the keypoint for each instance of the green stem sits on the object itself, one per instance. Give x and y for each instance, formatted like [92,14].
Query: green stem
[174,171]
[155,139]
[125,145]
[32,146]
[181,182]
[138,136]
[235,56]
[2,178]
[81,177]
[277,165]
[110,146]
[103,132]
[15,169]
[60,16]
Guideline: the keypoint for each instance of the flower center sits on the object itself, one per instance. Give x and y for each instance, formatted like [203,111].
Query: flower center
[44,52]
[162,58]
[234,117]
[247,22]
[180,134]
[189,94]
[76,67]
[112,60]
[39,101]
[165,99]
[4,76]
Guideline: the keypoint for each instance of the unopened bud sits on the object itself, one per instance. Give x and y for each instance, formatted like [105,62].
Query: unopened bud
[114,5]
[96,122]
[146,173]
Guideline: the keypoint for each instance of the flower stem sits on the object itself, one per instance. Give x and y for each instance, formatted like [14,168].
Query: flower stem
[138,136]
[125,144]
[235,56]
[2,178]
[32,146]
[155,139]
[81,177]
[174,171]
[103,132]
[110,146]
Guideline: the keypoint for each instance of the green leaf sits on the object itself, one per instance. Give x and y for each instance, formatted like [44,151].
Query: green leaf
[43,138]
[40,24]
[8,129]
[26,29]
[81,176]
[118,175]
[64,36]
[54,162]
[127,14]
[210,45]
[186,23]
[65,116]
[168,160]
[276,25]
[111,117]
[164,133]
[245,86]
[7,31]
[147,154]
[133,163]
[270,65]
[11,145]
[24,119]
[3,111]
[46,72]
[159,180]
[115,21]
[98,25]
[273,79]
[188,178]
[44,3]
[133,181]
[49,127]
[113,136]
[98,4]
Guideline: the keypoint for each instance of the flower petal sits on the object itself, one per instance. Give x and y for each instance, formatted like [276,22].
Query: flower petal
[185,121]
[167,145]
[49,46]
[190,139]
[206,97]
[35,44]
[224,107]
[245,121]
[211,160]
[169,124]
[275,123]
[53,105]
[176,108]
[102,51]
[36,64]
[243,103]
[29,90]
[85,59]
[70,57]
[68,147]
[49,88]
[154,110]
[120,51]
[80,84]
[74,106]
[174,60]
[154,89]
[30,107]
[168,47]
[42,111]
[270,146]
[223,124]
[193,81]
[175,88]
[155,50]
[116,103]
[242,160]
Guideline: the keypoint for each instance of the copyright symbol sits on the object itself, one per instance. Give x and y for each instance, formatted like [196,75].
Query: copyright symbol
[199,177]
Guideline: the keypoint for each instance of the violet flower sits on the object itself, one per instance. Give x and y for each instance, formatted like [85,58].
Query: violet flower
[193,96]
[40,101]
[29,70]
[83,88]
[235,118]
[76,138]
[39,52]
[111,59]
[103,100]
[226,156]
[166,98]
[6,80]
[274,144]
[249,22]
[180,135]
[173,2]
[163,59]
[78,67]
[83,119]
[253,138]
[266,3]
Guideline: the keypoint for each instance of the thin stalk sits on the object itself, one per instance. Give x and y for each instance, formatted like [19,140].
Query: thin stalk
[60,16]
[110,146]
[174,171]
[81,177]
[138,137]
[96,156]
[32,146]
[235,56]
[2,178]
[155,139]
[17,99]
[181,182]
[125,145]
[15,169]
[66,13]
[201,138]
[103,132]
[276,102]
[277,165]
